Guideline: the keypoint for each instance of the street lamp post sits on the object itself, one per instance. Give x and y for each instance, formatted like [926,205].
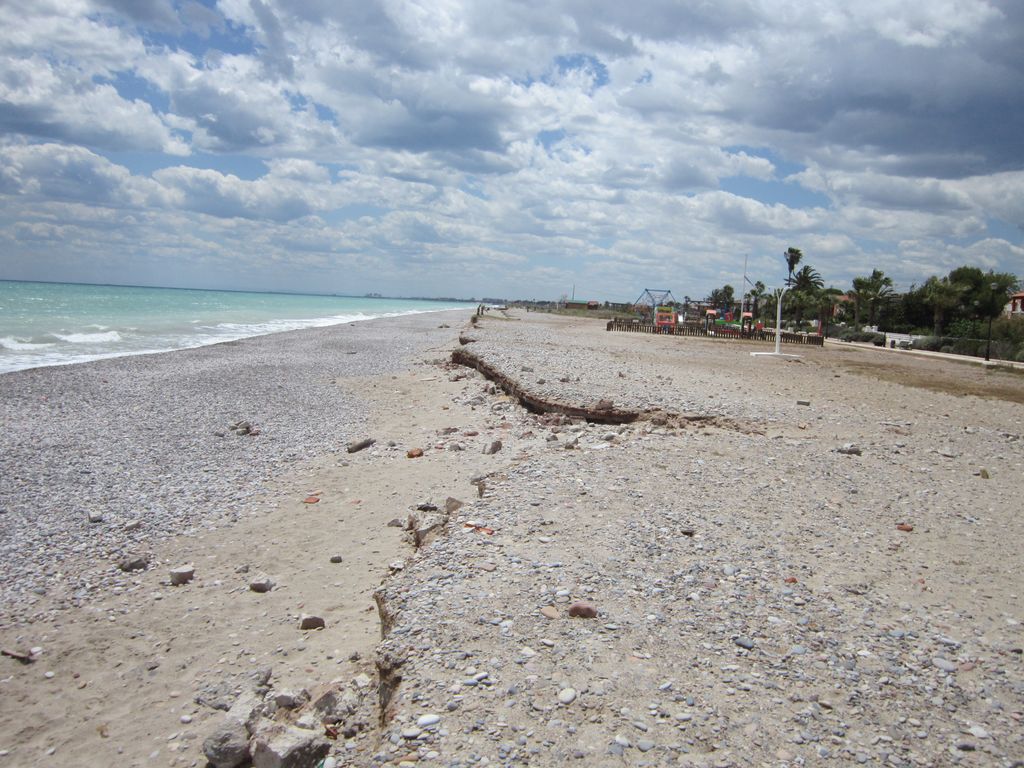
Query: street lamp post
[988,347]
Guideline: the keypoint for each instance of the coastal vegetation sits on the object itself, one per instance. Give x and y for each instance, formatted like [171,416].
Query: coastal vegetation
[950,313]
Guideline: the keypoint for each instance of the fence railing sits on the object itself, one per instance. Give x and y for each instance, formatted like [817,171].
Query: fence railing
[627,326]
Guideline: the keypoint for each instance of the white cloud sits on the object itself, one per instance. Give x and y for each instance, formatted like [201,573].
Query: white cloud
[520,141]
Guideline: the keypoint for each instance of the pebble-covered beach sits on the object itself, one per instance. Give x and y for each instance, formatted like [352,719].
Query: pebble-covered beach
[99,460]
[772,561]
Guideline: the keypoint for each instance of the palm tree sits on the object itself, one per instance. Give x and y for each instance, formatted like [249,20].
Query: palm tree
[793,256]
[826,307]
[756,294]
[807,279]
[871,292]
[941,294]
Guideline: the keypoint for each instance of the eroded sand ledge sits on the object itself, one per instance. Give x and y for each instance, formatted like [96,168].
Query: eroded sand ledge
[757,603]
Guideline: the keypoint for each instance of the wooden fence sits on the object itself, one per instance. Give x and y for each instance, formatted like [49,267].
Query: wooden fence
[768,335]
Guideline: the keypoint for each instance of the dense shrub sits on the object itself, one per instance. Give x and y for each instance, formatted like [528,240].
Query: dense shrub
[1001,349]
[928,343]
[862,336]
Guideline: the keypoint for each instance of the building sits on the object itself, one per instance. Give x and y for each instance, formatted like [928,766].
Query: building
[1015,308]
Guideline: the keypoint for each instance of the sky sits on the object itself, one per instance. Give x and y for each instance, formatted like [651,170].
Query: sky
[508,149]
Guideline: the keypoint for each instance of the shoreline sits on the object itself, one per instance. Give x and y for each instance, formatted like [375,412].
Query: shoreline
[742,556]
[312,324]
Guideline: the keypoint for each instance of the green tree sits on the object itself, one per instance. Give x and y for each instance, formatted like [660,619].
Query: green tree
[807,285]
[793,256]
[756,295]
[722,298]
[941,294]
[869,292]
[826,300]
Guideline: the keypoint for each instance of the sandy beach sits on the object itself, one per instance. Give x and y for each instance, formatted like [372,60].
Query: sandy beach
[761,562]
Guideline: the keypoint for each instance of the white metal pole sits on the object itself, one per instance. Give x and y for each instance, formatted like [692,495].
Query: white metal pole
[778,320]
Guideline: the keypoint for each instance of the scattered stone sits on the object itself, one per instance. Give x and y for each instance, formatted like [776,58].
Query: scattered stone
[307,621]
[414,453]
[134,562]
[905,527]
[583,610]
[549,612]
[803,402]
[336,558]
[849,449]
[567,696]
[95,517]
[451,505]
[182,575]
[944,664]
[360,445]
[493,448]
[744,642]
[290,699]
[261,584]
[395,523]
[311,500]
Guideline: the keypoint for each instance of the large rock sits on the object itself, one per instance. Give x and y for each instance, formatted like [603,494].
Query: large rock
[424,526]
[228,746]
[335,705]
[282,746]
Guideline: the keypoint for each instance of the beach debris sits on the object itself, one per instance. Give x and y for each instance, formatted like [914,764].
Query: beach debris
[983,474]
[493,448]
[134,562]
[261,584]
[477,528]
[182,575]
[582,609]
[134,525]
[307,621]
[276,745]
[424,525]
[24,658]
[311,500]
[228,745]
[849,449]
[905,527]
[414,453]
[803,402]
[287,699]
[360,445]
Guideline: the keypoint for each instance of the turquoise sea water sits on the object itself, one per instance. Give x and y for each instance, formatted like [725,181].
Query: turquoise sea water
[61,323]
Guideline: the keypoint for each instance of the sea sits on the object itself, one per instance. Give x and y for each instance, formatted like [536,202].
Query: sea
[63,323]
